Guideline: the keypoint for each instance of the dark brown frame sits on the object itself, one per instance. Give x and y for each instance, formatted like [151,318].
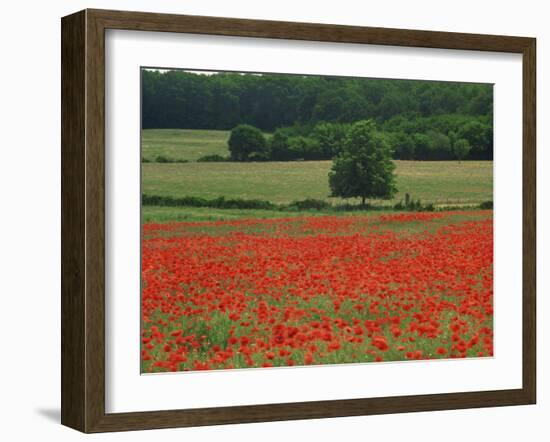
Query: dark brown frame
[83,216]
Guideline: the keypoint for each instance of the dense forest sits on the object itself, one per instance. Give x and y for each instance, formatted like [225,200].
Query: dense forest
[423,120]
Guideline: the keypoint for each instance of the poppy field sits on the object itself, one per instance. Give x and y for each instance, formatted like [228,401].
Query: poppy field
[311,290]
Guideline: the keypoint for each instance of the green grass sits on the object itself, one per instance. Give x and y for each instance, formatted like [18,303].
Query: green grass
[438,182]
[157,214]
[183,144]
[441,183]
[165,214]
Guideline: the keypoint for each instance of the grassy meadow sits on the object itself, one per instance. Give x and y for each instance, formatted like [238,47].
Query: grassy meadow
[183,144]
[438,182]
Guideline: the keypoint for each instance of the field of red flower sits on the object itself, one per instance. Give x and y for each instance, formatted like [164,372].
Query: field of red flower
[317,290]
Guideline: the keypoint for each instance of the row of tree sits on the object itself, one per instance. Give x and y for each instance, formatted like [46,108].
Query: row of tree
[423,120]
[326,141]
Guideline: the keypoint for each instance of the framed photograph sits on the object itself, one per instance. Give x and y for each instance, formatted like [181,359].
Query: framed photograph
[267,220]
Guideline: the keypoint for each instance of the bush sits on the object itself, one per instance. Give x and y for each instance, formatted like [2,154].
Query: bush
[163,159]
[246,140]
[310,203]
[486,205]
[428,207]
[217,203]
[214,158]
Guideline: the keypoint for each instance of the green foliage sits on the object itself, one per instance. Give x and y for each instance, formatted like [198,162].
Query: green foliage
[439,146]
[461,148]
[364,167]
[280,146]
[480,137]
[178,99]
[486,205]
[304,104]
[247,143]
[310,203]
[304,148]
[218,203]
[319,142]
[330,138]
[433,137]
[162,159]
[214,158]
[165,159]
[403,145]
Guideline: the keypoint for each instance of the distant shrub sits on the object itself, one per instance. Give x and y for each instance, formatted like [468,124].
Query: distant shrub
[217,203]
[214,158]
[164,159]
[428,207]
[245,140]
[486,205]
[238,203]
[310,203]
[307,204]
[145,160]
[349,207]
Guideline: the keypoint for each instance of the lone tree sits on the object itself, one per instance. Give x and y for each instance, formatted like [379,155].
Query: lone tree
[461,149]
[363,168]
[247,143]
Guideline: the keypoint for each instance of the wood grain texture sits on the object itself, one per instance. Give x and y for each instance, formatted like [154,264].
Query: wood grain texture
[143,21]
[529,220]
[83,220]
[73,129]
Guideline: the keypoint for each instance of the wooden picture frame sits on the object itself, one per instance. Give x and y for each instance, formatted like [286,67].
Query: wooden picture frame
[83,220]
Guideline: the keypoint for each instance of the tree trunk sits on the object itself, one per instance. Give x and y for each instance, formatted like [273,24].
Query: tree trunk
[363,201]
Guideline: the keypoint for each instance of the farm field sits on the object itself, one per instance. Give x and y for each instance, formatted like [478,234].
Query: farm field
[308,290]
[183,144]
[439,182]
[161,214]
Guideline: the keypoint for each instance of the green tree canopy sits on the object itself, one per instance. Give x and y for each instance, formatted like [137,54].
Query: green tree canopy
[461,148]
[247,143]
[319,107]
[364,167]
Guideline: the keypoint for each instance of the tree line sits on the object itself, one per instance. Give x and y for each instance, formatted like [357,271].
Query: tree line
[307,116]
